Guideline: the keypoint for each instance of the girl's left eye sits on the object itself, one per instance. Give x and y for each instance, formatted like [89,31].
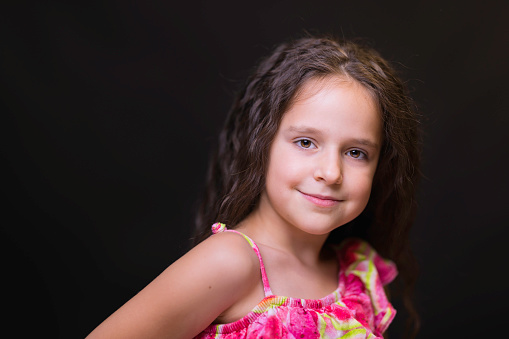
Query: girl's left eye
[356,154]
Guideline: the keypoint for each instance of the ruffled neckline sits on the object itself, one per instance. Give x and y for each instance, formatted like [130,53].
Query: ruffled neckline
[361,276]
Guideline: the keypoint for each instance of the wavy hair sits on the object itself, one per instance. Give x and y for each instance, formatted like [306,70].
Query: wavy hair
[236,176]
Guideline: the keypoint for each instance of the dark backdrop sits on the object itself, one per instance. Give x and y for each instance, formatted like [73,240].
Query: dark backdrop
[109,111]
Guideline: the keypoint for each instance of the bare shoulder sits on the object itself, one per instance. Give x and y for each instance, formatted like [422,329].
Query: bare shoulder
[227,249]
[203,283]
[224,260]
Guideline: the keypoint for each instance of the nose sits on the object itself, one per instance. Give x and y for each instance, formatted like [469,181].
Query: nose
[329,168]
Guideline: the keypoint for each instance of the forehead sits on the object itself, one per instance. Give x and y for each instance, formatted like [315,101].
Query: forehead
[315,85]
[334,105]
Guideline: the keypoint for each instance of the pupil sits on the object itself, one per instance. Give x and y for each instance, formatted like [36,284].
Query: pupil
[305,143]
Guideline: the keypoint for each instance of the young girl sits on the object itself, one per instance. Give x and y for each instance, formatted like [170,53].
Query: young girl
[318,157]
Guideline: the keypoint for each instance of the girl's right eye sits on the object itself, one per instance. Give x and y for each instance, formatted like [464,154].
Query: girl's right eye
[305,143]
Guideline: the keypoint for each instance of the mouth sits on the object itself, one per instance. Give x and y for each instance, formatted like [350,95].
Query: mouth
[321,200]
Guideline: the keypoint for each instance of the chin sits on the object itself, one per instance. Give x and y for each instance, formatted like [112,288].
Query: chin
[317,230]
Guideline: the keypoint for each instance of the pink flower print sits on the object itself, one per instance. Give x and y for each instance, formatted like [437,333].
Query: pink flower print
[354,285]
[360,307]
[386,269]
[341,313]
[300,323]
[266,327]
[234,335]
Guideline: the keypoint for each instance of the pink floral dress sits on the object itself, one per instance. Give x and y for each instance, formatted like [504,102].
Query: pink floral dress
[358,308]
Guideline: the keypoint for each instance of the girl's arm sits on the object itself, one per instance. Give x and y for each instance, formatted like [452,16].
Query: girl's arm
[190,294]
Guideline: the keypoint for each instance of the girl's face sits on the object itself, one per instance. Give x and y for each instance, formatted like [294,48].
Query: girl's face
[323,157]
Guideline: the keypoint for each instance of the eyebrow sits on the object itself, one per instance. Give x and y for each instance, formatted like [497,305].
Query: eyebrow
[366,142]
[311,130]
[304,130]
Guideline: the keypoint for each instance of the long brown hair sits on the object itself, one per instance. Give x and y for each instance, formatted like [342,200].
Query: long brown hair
[236,176]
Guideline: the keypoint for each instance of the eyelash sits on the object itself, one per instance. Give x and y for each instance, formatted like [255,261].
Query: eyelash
[362,155]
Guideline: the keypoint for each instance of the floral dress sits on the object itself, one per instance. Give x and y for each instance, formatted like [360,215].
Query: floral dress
[358,308]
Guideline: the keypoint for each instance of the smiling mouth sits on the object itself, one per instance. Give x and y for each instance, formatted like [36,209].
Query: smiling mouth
[320,200]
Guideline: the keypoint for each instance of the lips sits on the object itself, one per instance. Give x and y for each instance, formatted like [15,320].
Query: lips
[321,200]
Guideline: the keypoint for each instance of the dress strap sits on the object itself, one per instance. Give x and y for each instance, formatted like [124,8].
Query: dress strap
[220,227]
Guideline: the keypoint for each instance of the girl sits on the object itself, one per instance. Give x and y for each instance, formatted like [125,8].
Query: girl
[319,149]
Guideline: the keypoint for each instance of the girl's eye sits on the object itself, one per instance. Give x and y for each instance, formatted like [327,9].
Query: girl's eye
[305,143]
[356,154]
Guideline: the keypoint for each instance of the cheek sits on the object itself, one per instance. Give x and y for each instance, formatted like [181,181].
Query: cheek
[274,172]
[284,165]
[362,185]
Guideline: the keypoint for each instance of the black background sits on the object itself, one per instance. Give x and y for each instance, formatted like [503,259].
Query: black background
[109,111]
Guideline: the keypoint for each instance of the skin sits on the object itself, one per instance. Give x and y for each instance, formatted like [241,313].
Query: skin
[322,162]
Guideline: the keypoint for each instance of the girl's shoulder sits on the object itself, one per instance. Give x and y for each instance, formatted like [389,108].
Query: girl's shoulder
[227,265]
[204,282]
[226,252]
[227,271]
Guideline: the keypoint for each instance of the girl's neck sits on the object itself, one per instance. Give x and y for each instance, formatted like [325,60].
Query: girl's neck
[281,236]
